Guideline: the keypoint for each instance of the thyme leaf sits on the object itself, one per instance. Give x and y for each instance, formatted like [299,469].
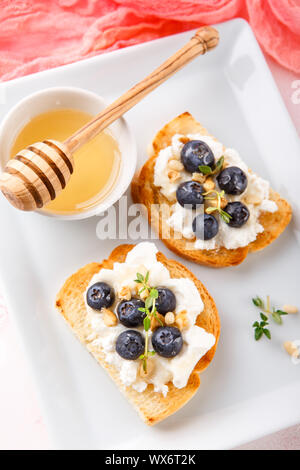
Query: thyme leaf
[267,312]
[150,311]
[206,170]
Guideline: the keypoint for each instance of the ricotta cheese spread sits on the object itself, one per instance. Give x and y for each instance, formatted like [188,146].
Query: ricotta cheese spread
[181,218]
[196,341]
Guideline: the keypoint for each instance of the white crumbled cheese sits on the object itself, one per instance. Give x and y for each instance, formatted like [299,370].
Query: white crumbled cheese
[268,206]
[140,386]
[181,218]
[128,372]
[196,341]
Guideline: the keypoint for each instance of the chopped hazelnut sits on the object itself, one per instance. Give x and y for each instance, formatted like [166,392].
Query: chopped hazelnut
[291,349]
[175,165]
[109,317]
[224,202]
[213,202]
[209,184]
[290,308]
[169,318]
[125,293]
[181,320]
[144,294]
[198,177]
[173,175]
[155,323]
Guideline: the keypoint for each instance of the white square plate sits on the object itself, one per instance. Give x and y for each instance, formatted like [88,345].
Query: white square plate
[251,388]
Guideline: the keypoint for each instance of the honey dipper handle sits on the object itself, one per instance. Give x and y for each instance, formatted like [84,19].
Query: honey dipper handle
[205,38]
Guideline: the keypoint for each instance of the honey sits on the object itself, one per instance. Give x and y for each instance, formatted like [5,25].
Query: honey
[96,163]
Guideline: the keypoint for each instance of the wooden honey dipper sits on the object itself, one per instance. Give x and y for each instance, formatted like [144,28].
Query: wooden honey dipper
[37,174]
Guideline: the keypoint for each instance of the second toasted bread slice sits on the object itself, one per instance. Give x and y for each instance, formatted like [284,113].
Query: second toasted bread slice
[146,192]
[152,406]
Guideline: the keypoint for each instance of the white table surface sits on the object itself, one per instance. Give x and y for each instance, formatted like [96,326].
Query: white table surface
[21,424]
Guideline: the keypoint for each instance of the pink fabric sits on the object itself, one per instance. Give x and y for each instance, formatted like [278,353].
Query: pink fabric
[274,23]
[287,439]
[39,34]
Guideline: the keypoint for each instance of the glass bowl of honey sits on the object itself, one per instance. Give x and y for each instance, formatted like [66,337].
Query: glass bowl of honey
[103,167]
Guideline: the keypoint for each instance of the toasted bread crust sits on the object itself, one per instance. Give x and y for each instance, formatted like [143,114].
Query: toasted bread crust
[145,192]
[152,407]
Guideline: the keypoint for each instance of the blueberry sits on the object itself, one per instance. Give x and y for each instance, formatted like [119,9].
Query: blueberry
[130,344]
[239,214]
[167,341]
[233,180]
[205,226]
[129,313]
[190,193]
[166,301]
[100,295]
[195,153]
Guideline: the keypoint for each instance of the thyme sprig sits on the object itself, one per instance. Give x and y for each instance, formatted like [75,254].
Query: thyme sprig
[219,195]
[150,312]
[260,328]
[276,314]
[206,170]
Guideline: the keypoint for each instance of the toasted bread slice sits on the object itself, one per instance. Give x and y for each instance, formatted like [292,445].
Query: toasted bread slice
[152,406]
[145,192]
